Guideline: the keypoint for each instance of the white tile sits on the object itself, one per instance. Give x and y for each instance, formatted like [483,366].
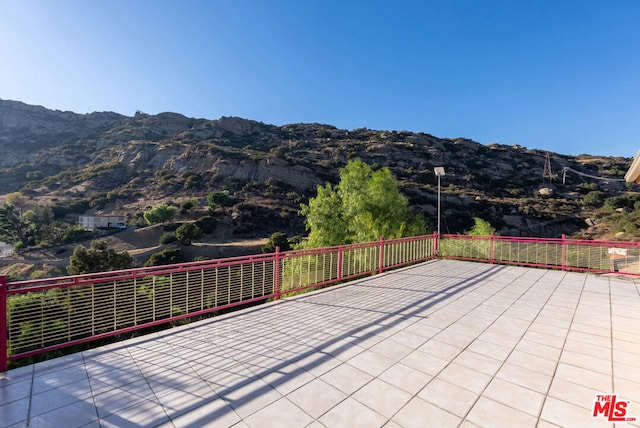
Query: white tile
[419,414]
[15,412]
[464,377]
[479,362]
[215,412]
[405,378]
[383,397]
[447,396]
[351,413]
[144,414]
[14,391]
[76,414]
[568,415]
[490,413]
[515,396]
[347,378]
[371,362]
[426,363]
[317,397]
[283,413]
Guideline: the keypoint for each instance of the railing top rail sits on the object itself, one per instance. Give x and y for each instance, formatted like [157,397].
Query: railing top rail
[141,272]
[572,241]
[70,280]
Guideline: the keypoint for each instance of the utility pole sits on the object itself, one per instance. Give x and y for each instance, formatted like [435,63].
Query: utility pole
[546,173]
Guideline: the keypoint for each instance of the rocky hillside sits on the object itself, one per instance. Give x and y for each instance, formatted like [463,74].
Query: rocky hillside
[110,163]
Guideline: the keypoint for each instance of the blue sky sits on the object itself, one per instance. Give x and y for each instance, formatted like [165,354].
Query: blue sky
[559,75]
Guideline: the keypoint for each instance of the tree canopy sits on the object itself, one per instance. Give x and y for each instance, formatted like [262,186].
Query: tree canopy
[481,228]
[277,239]
[364,206]
[98,258]
[188,232]
[13,228]
[160,213]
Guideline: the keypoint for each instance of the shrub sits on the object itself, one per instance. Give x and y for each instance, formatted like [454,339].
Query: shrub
[165,257]
[277,239]
[167,238]
[75,233]
[217,198]
[594,198]
[207,224]
[188,232]
[188,205]
[160,213]
[193,182]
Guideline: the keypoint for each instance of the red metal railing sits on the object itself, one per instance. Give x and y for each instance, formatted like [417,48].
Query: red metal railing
[45,315]
[552,253]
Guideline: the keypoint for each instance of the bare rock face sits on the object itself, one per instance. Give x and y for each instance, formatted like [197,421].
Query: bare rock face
[296,176]
[107,158]
[35,127]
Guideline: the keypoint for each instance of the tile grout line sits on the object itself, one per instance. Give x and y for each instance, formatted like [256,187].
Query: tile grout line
[613,373]
[461,351]
[564,343]
[144,376]
[93,398]
[515,345]
[33,376]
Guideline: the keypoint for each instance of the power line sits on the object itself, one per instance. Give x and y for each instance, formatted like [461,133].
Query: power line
[566,168]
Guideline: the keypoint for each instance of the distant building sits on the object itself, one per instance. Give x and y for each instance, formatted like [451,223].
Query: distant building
[93,222]
[5,250]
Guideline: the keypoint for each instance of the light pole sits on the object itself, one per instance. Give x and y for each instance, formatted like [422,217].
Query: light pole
[439,171]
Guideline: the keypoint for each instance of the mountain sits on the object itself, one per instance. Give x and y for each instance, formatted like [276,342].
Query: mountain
[107,162]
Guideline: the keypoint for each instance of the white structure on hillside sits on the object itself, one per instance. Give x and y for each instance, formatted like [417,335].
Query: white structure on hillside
[6,250]
[633,175]
[93,222]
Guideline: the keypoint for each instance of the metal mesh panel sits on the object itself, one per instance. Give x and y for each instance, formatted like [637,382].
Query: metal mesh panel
[307,269]
[48,317]
[359,260]
[524,252]
[56,311]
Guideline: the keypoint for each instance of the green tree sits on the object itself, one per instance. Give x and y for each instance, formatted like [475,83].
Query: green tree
[481,228]
[217,198]
[363,206]
[167,238]
[277,239]
[13,228]
[167,256]
[188,232]
[188,205]
[160,213]
[207,224]
[98,258]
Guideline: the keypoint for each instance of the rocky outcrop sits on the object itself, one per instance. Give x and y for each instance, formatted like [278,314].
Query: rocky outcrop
[296,176]
[25,129]
[270,170]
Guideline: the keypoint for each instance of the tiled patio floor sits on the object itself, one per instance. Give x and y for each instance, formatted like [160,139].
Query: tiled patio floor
[441,344]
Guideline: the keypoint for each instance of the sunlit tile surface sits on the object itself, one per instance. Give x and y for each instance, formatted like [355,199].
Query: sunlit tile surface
[444,343]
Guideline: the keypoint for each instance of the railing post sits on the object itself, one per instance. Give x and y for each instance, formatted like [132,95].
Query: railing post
[3,324]
[276,275]
[381,255]
[436,244]
[491,249]
[339,273]
[563,262]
